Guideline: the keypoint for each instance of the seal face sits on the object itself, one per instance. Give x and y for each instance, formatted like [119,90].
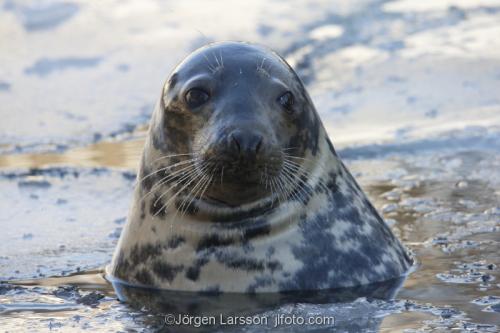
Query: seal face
[241,190]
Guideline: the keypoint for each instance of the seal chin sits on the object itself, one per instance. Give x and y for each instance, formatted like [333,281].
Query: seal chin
[216,210]
[233,192]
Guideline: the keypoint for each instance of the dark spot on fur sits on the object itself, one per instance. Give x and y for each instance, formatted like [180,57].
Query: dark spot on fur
[147,180]
[144,277]
[212,242]
[193,272]
[260,281]
[175,242]
[173,81]
[331,182]
[157,207]
[245,264]
[158,140]
[177,135]
[143,209]
[140,254]
[122,268]
[261,228]
[274,265]
[166,271]
[270,251]
[232,261]
[331,268]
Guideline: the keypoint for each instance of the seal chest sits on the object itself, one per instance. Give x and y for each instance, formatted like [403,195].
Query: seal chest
[240,189]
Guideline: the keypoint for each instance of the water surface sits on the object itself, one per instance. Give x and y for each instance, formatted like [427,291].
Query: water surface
[408,91]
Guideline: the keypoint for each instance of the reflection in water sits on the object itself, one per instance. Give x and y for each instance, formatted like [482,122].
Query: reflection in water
[272,309]
[223,307]
[109,153]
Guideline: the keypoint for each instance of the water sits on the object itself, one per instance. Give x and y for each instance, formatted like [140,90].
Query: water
[408,91]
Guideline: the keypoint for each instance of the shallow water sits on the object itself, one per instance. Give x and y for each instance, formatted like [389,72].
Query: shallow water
[408,91]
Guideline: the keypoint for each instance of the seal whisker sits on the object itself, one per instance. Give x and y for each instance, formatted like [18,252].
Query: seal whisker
[166,168]
[221,175]
[273,191]
[205,183]
[295,188]
[302,186]
[263,176]
[219,64]
[186,176]
[285,184]
[167,178]
[288,190]
[192,194]
[206,186]
[261,69]
[170,156]
[297,165]
[281,184]
[181,206]
[290,158]
[210,66]
[298,172]
[216,60]
[292,184]
[203,188]
[298,168]
[277,190]
[169,201]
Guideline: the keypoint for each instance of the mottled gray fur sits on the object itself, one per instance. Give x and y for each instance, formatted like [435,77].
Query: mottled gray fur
[286,216]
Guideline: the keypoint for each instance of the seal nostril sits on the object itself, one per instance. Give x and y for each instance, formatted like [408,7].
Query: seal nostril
[259,144]
[235,143]
[245,143]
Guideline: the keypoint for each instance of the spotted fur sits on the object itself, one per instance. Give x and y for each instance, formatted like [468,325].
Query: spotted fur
[324,234]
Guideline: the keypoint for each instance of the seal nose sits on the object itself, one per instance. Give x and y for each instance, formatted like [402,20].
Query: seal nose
[245,143]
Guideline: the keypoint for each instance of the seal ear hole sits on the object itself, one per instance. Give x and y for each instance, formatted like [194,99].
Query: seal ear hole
[287,101]
[196,97]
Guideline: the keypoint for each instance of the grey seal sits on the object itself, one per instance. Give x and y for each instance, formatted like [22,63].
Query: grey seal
[241,190]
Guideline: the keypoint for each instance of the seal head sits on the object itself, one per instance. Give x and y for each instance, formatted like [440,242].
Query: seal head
[224,110]
[241,190]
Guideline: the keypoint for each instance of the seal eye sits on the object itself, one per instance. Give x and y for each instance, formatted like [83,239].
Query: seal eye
[196,97]
[286,101]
